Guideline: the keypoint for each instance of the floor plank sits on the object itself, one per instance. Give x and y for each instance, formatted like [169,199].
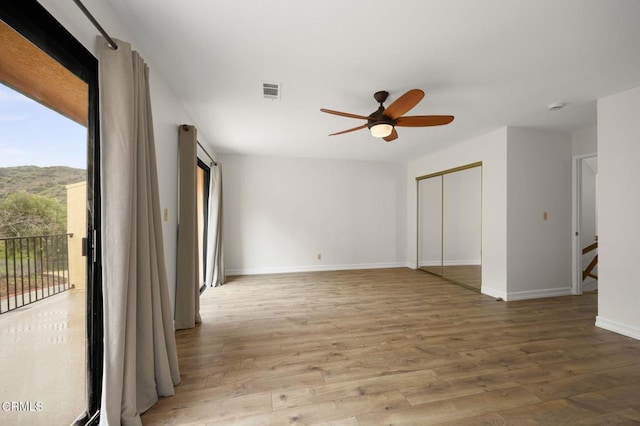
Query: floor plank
[453,408]
[556,412]
[396,346]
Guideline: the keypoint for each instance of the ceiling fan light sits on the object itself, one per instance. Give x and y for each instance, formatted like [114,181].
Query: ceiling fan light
[381,130]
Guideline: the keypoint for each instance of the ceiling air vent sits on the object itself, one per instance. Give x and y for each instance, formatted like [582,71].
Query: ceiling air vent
[271,90]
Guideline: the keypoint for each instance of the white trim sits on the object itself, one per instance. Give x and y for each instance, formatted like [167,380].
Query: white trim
[497,294]
[538,294]
[618,327]
[294,269]
[450,262]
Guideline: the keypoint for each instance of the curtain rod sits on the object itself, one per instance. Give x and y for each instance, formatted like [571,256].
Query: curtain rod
[112,44]
[208,155]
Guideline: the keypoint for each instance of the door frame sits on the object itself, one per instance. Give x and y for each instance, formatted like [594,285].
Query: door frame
[200,164]
[576,210]
[35,23]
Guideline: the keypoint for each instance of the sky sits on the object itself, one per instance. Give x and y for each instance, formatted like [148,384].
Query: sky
[34,135]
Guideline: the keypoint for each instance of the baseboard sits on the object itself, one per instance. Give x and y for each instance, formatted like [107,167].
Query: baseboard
[538,294]
[497,294]
[319,268]
[450,262]
[618,327]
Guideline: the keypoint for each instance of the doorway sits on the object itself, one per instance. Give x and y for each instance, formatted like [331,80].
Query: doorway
[585,247]
[203,179]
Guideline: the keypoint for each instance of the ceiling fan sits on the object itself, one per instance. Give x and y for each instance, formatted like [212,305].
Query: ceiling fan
[383,121]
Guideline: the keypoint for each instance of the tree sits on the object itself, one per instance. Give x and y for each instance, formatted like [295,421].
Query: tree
[23,214]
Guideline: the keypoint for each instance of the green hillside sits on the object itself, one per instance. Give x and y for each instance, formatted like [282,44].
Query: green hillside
[46,181]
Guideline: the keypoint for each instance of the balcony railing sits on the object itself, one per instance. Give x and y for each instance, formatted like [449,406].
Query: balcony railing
[32,269]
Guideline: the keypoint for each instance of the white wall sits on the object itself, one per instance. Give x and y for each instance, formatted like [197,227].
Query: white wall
[584,141]
[523,256]
[280,213]
[618,213]
[539,180]
[491,149]
[167,110]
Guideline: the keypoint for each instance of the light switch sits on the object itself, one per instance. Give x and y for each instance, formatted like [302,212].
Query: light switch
[544,216]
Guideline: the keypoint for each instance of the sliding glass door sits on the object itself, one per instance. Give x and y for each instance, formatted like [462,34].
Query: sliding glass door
[203,179]
[51,314]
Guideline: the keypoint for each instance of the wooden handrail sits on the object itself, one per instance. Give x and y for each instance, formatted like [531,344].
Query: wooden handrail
[587,272]
[589,248]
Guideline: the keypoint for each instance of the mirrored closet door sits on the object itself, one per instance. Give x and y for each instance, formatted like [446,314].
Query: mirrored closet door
[450,223]
[430,224]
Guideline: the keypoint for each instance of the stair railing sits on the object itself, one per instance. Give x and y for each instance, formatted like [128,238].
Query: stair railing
[588,272]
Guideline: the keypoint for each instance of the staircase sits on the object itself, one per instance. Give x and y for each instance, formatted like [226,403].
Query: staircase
[589,272]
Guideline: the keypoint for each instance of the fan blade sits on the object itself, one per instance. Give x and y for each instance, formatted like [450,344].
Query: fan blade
[404,103]
[343,114]
[424,120]
[393,136]
[350,130]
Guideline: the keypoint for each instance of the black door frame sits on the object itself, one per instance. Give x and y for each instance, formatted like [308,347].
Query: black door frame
[206,189]
[35,23]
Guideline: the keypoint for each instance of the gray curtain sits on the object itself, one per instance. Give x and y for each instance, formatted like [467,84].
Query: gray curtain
[187,286]
[215,262]
[140,356]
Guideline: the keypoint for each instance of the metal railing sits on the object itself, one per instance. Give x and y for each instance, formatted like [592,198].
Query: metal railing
[32,269]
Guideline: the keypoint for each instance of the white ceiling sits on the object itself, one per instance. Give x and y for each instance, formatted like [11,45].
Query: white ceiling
[490,63]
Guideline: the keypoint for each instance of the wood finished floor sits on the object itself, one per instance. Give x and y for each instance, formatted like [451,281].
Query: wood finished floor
[469,276]
[396,347]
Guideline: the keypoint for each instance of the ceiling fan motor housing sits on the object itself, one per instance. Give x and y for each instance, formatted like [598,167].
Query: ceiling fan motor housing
[381,119]
[378,116]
